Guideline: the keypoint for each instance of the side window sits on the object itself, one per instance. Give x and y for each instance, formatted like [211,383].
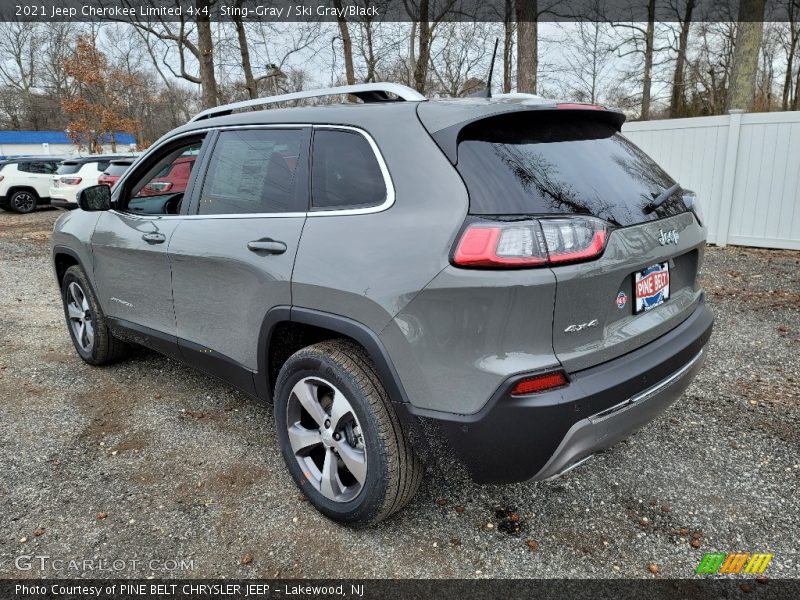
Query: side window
[251,171]
[153,191]
[344,171]
[103,165]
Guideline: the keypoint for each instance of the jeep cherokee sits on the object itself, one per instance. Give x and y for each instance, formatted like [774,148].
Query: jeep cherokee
[511,274]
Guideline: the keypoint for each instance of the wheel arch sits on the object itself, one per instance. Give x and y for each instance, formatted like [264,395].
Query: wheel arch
[22,188]
[314,326]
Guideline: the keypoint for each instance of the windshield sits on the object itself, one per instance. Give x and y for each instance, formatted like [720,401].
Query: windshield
[545,163]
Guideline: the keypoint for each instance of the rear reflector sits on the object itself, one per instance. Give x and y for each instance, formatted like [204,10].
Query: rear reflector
[532,243]
[540,383]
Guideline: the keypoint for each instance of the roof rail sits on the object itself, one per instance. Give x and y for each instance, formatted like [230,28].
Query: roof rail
[366,92]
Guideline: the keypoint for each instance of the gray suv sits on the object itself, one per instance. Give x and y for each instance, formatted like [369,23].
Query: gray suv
[509,275]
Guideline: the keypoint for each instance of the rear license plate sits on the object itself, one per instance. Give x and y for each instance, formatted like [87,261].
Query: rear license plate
[651,287]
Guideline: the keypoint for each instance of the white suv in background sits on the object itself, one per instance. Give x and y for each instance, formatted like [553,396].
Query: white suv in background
[77,173]
[25,182]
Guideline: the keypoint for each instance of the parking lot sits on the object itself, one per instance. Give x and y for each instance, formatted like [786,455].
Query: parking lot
[153,464]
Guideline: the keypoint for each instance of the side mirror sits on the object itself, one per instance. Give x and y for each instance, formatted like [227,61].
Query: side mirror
[96,197]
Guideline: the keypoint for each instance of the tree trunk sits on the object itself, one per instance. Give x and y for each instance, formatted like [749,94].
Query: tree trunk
[508,43]
[745,58]
[244,50]
[648,59]
[205,46]
[797,92]
[424,54]
[347,44]
[677,101]
[527,50]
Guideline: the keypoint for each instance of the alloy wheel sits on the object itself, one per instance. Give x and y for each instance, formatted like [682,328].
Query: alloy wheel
[24,201]
[80,317]
[326,439]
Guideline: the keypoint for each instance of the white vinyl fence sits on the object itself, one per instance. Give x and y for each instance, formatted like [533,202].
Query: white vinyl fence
[745,168]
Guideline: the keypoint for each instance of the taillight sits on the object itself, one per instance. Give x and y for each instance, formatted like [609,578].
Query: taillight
[159,186]
[534,243]
[579,106]
[689,200]
[539,383]
[71,180]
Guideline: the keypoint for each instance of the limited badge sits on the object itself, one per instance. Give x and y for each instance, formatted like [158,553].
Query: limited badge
[622,300]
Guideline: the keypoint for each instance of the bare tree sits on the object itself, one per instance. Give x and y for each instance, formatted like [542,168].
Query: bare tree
[527,13]
[678,96]
[745,60]
[426,15]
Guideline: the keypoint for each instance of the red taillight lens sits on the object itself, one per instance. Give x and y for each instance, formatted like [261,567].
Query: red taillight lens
[539,383]
[579,106]
[570,240]
[511,246]
[71,180]
[530,243]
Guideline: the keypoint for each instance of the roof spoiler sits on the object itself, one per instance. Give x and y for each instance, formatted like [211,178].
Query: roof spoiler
[447,138]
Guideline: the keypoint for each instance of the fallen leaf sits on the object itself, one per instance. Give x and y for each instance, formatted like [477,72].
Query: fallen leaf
[695,543]
[441,502]
[246,559]
[102,515]
[654,568]
[455,541]
[38,532]
[533,545]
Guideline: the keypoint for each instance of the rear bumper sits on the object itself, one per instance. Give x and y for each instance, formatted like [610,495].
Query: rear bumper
[536,437]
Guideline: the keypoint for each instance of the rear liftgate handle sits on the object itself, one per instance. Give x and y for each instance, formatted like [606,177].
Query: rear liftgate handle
[267,246]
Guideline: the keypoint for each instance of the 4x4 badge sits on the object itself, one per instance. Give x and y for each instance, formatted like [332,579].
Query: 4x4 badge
[668,237]
[581,326]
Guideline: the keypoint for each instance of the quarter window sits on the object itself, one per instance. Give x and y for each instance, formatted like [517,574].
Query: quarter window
[252,171]
[345,172]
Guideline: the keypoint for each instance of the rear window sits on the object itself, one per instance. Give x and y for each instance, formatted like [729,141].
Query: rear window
[68,168]
[117,169]
[529,164]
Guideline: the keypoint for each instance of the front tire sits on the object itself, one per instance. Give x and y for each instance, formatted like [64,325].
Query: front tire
[86,322]
[340,437]
[23,201]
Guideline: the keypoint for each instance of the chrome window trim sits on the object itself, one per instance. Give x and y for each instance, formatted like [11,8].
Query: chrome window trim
[387,179]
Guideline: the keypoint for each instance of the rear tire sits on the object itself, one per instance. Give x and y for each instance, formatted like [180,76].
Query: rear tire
[86,322]
[340,437]
[23,201]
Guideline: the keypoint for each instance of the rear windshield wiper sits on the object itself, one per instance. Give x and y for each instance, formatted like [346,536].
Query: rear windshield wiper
[661,198]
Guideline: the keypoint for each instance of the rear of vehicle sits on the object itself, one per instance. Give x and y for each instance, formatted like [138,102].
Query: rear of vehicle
[173,179]
[25,182]
[113,172]
[571,310]
[71,177]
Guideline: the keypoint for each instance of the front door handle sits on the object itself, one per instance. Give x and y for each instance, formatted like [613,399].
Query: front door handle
[267,246]
[154,238]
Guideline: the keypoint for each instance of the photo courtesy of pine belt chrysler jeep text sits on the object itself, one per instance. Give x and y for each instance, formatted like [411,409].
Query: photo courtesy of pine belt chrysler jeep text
[510,274]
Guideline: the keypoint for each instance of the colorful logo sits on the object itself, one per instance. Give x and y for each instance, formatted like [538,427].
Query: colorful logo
[622,300]
[652,286]
[719,562]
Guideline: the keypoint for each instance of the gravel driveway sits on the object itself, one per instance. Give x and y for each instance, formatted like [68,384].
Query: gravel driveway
[150,461]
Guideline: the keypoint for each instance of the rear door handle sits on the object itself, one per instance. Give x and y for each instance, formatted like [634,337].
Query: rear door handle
[267,246]
[154,238]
